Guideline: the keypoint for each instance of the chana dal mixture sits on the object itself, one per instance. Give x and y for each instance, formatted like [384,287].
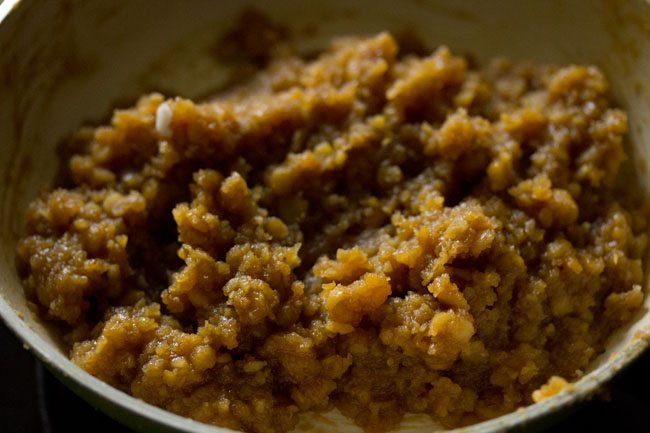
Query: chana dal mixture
[371,230]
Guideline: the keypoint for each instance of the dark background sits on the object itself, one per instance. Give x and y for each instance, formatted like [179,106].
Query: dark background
[33,401]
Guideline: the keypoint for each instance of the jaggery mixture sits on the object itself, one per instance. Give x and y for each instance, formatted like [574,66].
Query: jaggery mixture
[370,230]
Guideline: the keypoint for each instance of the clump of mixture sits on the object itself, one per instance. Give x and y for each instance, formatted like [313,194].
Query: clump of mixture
[373,231]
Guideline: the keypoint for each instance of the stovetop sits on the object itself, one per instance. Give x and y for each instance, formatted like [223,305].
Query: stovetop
[33,401]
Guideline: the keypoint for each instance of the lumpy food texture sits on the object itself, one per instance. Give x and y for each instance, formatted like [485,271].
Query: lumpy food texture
[370,229]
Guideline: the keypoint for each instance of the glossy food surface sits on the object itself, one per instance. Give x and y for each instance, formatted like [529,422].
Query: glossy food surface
[377,229]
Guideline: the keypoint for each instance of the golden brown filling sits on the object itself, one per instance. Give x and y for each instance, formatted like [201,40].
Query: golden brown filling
[372,231]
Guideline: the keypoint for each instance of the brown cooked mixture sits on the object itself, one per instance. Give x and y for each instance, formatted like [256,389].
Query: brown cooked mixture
[372,231]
